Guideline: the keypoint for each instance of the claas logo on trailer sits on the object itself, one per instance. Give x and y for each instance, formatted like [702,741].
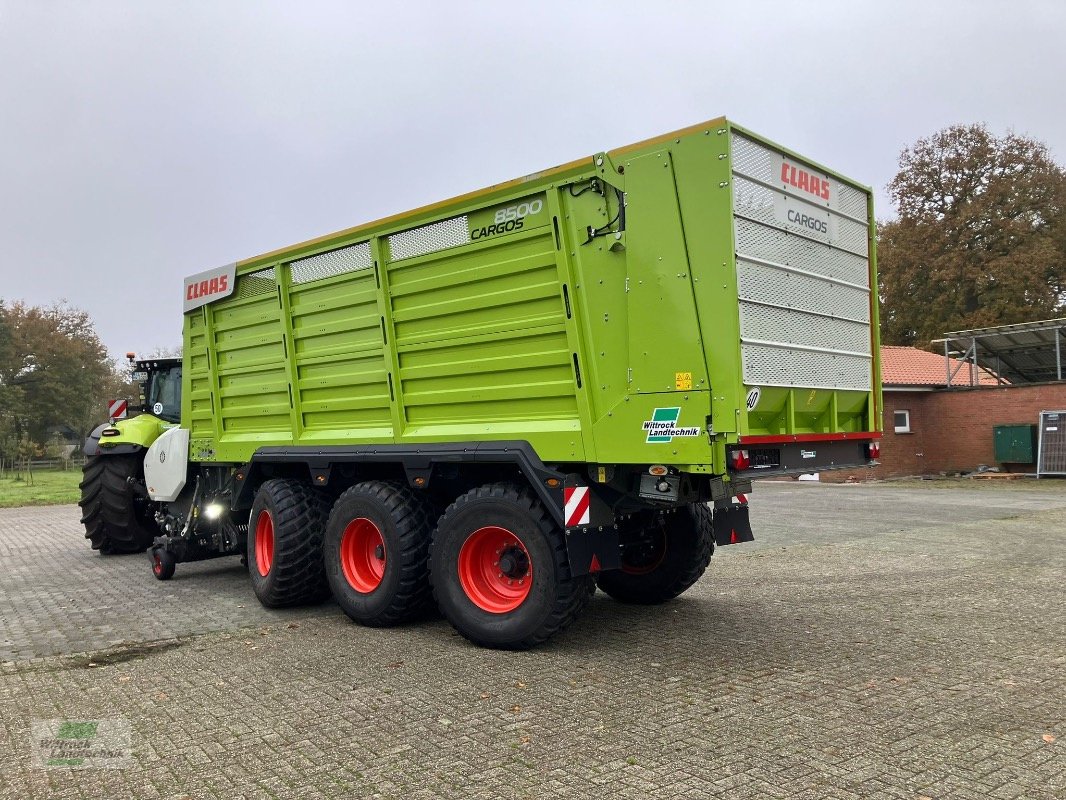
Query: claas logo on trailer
[208,286]
[797,177]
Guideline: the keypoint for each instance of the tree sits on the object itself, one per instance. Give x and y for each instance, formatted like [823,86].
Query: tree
[10,395]
[54,374]
[980,239]
[160,351]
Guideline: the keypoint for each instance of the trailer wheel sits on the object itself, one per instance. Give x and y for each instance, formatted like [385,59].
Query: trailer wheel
[667,558]
[116,517]
[163,564]
[376,553]
[285,544]
[499,570]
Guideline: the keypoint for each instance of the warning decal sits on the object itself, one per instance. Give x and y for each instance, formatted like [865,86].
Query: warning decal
[576,506]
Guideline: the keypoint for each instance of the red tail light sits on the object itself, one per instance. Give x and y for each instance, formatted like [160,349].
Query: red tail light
[873,450]
[740,459]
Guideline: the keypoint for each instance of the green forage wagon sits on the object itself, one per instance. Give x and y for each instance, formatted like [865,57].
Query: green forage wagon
[498,402]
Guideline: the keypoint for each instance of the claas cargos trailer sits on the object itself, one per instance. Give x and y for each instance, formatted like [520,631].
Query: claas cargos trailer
[500,401]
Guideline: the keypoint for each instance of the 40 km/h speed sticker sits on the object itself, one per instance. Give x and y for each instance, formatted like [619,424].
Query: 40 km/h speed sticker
[753,398]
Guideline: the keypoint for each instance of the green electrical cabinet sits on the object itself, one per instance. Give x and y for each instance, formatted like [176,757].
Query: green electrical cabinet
[1015,444]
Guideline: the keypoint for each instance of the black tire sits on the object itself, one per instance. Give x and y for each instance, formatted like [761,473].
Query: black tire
[163,564]
[677,549]
[117,518]
[390,587]
[294,516]
[554,597]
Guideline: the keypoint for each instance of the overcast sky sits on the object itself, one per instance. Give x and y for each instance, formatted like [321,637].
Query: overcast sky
[143,141]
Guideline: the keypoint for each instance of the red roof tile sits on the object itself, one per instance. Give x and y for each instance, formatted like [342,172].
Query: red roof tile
[909,366]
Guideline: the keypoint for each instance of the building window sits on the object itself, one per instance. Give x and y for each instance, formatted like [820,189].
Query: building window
[902,421]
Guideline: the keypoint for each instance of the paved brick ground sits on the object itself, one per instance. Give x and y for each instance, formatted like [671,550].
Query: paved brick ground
[874,642]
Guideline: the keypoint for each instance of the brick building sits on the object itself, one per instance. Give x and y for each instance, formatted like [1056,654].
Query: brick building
[932,428]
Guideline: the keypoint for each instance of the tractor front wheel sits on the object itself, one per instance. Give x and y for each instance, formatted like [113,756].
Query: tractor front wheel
[163,563]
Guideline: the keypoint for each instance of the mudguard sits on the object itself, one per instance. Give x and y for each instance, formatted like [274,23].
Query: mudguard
[134,434]
[731,525]
[92,444]
[166,465]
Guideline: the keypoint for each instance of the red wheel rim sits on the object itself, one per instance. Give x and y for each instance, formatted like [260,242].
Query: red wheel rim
[362,555]
[650,559]
[495,570]
[264,543]
[157,565]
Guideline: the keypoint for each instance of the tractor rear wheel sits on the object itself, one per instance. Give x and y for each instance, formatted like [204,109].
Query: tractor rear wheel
[117,517]
[285,544]
[499,569]
[667,558]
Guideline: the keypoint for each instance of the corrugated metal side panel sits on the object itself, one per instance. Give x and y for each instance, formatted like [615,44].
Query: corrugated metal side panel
[248,347]
[802,240]
[197,376]
[341,378]
[480,335]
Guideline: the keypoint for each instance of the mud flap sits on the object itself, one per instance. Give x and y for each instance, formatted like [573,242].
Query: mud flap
[591,532]
[592,550]
[731,525]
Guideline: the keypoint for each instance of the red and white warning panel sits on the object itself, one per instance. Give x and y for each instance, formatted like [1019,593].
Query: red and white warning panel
[117,409]
[576,506]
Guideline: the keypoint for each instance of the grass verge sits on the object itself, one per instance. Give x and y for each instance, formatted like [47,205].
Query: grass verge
[49,488]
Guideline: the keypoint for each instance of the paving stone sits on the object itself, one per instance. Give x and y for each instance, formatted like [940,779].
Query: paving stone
[875,641]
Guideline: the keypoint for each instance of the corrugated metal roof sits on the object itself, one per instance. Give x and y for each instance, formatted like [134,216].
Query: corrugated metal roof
[1030,352]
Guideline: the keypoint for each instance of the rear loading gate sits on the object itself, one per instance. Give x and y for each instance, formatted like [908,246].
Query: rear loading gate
[808,328]
[803,273]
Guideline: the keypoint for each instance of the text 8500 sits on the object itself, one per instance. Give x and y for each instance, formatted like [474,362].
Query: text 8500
[518,211]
